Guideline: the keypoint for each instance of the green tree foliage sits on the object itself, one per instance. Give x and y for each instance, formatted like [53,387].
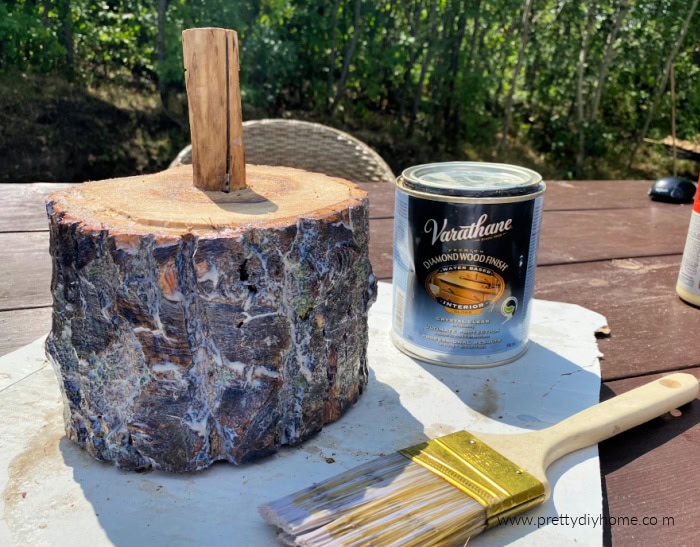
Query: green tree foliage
[30,37]
[578,78]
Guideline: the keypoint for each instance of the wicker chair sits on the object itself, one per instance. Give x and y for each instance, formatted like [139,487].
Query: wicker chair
[309,146]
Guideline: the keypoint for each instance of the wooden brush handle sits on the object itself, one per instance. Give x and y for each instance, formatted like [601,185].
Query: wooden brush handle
[616,415]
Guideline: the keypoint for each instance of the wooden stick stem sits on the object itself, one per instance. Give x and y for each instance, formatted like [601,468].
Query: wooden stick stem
[214,101]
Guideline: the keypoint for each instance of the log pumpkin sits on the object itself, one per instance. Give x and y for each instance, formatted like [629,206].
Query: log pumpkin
[208,312]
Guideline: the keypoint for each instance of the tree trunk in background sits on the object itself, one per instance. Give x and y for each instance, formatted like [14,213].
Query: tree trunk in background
[450,115]
[580,107]
[424,69]
[474,46]
[45,15]
[673,121]
[384,46]
[415,52]
[525,31]
[607,58]
[662,85]
[340,90]
[473,42]
[160,48]
[334,47]
[65,15]
[477,60]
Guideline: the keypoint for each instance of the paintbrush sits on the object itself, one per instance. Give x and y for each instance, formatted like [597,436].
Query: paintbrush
[446,490]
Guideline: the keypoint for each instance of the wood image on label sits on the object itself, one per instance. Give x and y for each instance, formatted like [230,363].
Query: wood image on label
[465,288]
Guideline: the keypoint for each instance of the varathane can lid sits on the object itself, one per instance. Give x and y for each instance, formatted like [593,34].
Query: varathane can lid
[471,180]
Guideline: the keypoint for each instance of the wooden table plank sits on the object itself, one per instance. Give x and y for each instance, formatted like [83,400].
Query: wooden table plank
[20,327]
[652,329]
[381,247]
[22,206]
[560,196]
[651,471]
[25,270]
[381,199]
[582,236]
[598,194]
[25,264]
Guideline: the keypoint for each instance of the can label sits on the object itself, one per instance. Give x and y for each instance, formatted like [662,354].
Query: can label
[464,278]
[689,275]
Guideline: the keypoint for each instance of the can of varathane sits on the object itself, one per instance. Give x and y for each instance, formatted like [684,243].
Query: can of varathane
[465,250]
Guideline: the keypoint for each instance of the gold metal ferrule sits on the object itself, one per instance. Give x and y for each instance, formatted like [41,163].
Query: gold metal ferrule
[503,488]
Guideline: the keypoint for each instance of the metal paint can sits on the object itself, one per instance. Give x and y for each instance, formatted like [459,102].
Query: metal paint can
[466,236]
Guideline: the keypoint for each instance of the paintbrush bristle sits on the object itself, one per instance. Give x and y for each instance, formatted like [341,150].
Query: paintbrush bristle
[387,501]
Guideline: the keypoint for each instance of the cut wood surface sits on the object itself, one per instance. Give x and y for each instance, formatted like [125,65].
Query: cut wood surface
[167,204]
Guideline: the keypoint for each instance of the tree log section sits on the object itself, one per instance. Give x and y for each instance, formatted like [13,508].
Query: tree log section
[192,326]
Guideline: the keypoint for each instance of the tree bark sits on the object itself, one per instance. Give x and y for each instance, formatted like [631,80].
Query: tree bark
[342,82]
[193,326]
[450,117]
[580,106]
[65,15]
[334,47]
[525,31]
[160,49]
[415,52]
[607,58]
[428,55]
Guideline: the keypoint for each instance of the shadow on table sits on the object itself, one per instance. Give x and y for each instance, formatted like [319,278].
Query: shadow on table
[218,506]
[632,444]
[628,446]
[538,390]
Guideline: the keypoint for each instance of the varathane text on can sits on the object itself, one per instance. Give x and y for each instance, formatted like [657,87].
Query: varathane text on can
[466,236]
